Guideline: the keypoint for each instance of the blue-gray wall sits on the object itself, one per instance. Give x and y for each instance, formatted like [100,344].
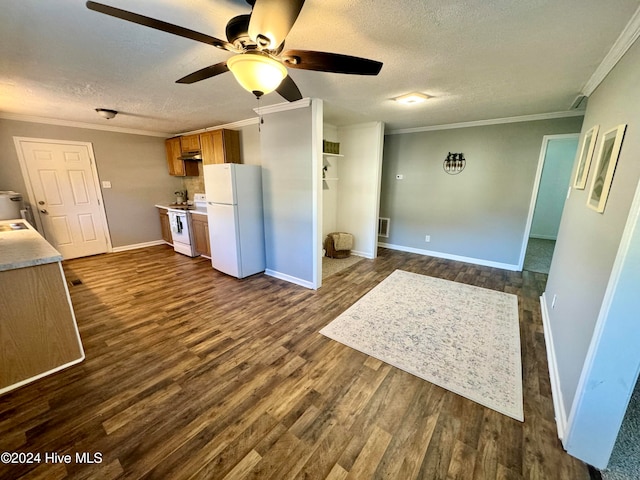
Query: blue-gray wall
[580,275]
[479,214]
[286,147]
[554,182]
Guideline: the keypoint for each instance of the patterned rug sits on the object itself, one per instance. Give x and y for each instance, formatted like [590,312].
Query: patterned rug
[463,338]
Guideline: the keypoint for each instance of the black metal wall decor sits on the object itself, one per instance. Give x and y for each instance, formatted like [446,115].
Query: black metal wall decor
[454,163]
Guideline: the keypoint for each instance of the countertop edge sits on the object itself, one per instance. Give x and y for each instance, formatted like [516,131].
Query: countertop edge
[25,248]
[180,210]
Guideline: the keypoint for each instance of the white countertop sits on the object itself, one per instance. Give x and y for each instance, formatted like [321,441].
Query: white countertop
[24,248]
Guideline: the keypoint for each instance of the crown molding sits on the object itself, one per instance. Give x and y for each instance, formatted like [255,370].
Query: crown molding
[283,107]
[238,124]
[278,107]
[92,126]
[493,121]
[628,36]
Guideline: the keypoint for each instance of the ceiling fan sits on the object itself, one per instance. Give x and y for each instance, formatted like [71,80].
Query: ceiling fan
[257,40]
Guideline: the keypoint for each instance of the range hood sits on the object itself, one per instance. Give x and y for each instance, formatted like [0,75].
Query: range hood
[191,156]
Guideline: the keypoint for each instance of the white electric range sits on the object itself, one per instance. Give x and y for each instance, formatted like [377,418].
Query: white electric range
[180,221]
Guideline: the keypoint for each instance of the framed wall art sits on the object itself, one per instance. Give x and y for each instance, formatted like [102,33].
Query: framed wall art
[584,160]
[605,168]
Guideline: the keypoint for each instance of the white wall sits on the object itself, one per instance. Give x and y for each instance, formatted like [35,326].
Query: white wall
[330,187]
[613,361]
[360,173]
[290,150]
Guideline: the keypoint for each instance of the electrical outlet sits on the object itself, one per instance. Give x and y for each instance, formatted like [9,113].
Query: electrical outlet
[427,238]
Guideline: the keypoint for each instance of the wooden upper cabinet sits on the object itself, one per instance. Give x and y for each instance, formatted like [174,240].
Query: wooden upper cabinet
[176,166]
[220,146]
[190,143]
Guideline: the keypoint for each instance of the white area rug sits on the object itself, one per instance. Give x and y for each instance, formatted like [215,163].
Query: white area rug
[463,338]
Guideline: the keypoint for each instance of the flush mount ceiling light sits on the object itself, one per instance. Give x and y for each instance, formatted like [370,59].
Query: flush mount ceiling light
[412,98]
[257,73]
[106,113]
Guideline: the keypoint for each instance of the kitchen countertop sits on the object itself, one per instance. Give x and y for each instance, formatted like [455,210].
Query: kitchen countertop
[24,247]
[175,208]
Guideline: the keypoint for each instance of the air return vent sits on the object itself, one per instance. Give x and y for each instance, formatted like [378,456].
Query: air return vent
[383,226]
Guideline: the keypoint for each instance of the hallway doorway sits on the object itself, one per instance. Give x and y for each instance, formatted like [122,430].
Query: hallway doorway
[555,165]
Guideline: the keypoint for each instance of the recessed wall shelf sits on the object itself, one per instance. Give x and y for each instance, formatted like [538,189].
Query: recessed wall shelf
[332,154]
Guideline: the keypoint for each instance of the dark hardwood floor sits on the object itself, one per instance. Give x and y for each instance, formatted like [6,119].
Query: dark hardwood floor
[193,374]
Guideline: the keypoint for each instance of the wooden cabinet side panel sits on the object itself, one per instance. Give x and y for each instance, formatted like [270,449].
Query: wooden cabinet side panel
[176,166]
[38,332]
[165,225]
[231,146]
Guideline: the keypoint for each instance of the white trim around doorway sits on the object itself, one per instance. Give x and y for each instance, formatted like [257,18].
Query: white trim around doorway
[536,186]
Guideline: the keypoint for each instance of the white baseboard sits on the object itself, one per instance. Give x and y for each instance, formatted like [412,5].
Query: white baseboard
[289,278]
[543,237]
[556,392]
[448,256]
[358,253]
[138,245]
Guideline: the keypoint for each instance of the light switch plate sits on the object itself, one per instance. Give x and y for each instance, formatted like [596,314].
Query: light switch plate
[106,184]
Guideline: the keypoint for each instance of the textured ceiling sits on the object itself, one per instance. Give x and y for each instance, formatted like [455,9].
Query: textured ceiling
[479,59]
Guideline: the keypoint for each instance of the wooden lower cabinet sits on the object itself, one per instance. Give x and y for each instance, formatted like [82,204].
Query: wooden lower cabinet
[200,230]
[165,225]
[38,331]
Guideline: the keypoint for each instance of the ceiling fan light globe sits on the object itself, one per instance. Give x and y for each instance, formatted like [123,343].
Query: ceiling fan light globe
[257,73]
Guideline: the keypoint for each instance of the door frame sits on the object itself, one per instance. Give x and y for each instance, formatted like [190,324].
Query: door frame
[536,188]
[94,177]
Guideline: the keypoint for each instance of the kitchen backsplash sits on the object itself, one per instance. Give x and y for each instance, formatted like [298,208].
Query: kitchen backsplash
[194,184]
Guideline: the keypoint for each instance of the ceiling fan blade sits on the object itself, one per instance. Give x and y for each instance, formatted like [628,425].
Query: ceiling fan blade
[204,73]
[330,62]
[289,90]
[271,21]
[159,25]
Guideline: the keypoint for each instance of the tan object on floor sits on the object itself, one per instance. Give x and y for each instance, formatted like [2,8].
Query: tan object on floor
[338,244]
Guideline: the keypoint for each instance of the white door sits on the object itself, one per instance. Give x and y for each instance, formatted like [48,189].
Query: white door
[64,190]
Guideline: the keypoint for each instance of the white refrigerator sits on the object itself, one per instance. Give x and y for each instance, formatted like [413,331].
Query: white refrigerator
[236,224]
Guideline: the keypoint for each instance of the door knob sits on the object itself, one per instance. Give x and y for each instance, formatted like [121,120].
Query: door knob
[42,210]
